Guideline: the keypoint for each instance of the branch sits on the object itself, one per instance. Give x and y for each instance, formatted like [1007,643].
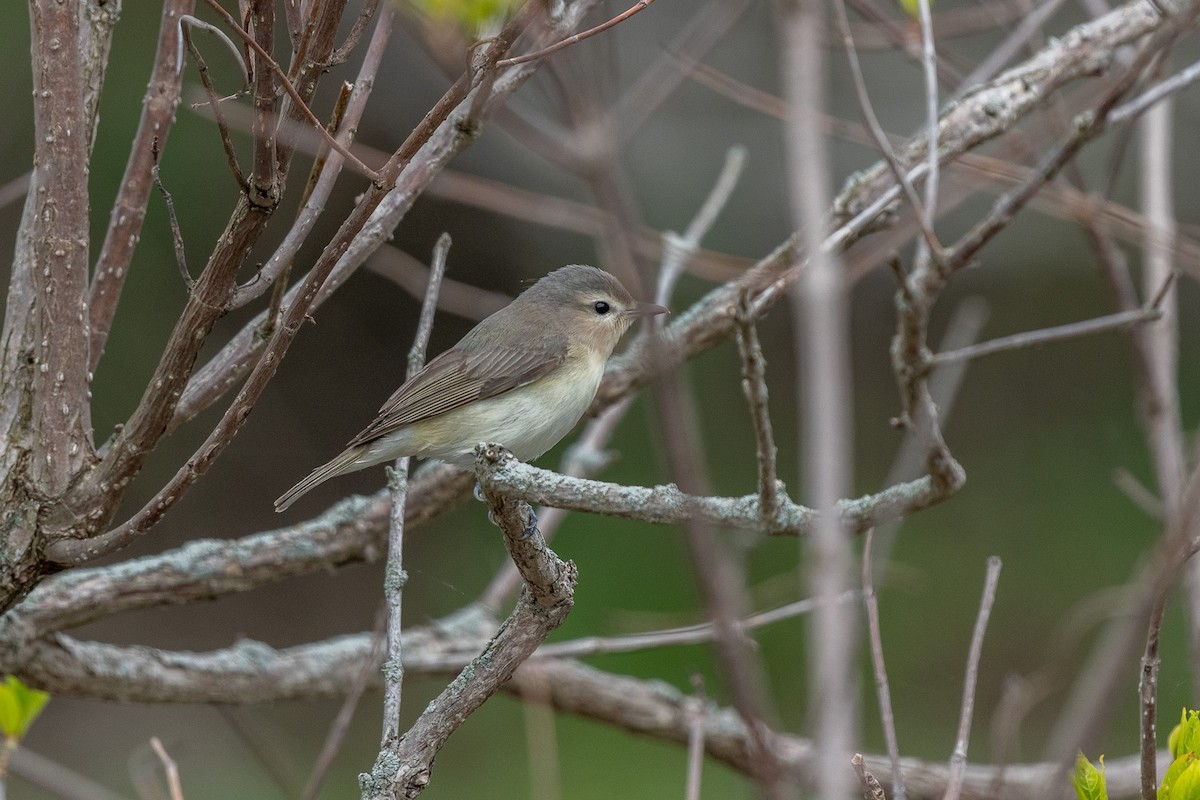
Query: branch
[995,108]
[254,672]
[394,574]
[129,209]
[542,607]
[575,38]
[439,147]
[46,406]
[667,505]
[101,490]
[958,761]
[1059,333]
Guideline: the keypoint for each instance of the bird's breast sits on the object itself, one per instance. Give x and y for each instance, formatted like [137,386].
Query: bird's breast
[528,420]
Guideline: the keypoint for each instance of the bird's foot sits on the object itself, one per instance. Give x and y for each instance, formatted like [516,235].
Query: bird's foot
[532,528]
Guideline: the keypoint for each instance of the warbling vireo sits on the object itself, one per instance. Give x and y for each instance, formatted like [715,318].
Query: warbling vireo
[522,377]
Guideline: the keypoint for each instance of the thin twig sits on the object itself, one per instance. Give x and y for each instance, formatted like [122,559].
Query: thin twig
[174,788]
[394,575]
[820,323]
[274,272]
[1148,702]
[926,247]
[1027,26]
[882,692]
[679,250]
[876,130]
[754,387]
[176,234]
[292,93]
[958,760]
[676,637]
[343,51]
[577,37]
[543,606]
[1086,127]
[1059,333]
[214,101]
[187,22]
[1180,80]
[1160,405]
[694,712]
[129,208]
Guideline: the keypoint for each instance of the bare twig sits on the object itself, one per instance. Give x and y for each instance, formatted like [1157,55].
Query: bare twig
[754,386]
[129,208]
[927,247]
[1160,406]
[176,234]
[264,370]
[343,51]
[214,102]
[394,575]
[882,692]
[1059,333]
[667,504]
[820,321]
[1020,35]
[675,637]
[1013,94]
[695,710]
[432,145]
[1148,702]
[958,760]
[576,37]
[275,271]
[57,779]
[544,605]
[584,458]
[1087,127]
[174,788]
[876,130]
[287,86]
[1158,92]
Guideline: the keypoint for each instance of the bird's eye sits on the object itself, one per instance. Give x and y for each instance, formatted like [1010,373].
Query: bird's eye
[601,307]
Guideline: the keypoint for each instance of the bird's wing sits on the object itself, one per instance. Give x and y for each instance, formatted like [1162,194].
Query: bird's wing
[457,377]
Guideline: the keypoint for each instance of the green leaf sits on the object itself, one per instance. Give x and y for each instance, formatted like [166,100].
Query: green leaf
[1185,737]
[467,14]
[1089,781]
[19,707]
[1187,784]
[1177,768]
[913,7]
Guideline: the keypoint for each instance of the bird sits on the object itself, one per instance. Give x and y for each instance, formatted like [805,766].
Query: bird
[522,377]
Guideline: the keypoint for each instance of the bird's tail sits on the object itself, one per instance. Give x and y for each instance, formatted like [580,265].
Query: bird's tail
[340,465]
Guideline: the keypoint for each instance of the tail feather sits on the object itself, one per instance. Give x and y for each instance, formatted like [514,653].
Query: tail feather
[340,465]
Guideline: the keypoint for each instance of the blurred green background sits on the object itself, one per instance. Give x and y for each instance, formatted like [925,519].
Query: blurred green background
[1040,433]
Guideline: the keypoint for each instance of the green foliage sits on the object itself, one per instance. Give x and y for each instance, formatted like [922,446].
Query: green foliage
[19,707]
[1185,737]
[1089,781]
[913,7]
[469,15]
[1182,781]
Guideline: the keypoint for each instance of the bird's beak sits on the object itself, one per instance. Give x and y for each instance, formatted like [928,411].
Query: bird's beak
[648,310]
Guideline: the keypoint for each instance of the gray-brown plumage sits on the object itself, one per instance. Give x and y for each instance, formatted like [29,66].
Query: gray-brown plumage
[522,377]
